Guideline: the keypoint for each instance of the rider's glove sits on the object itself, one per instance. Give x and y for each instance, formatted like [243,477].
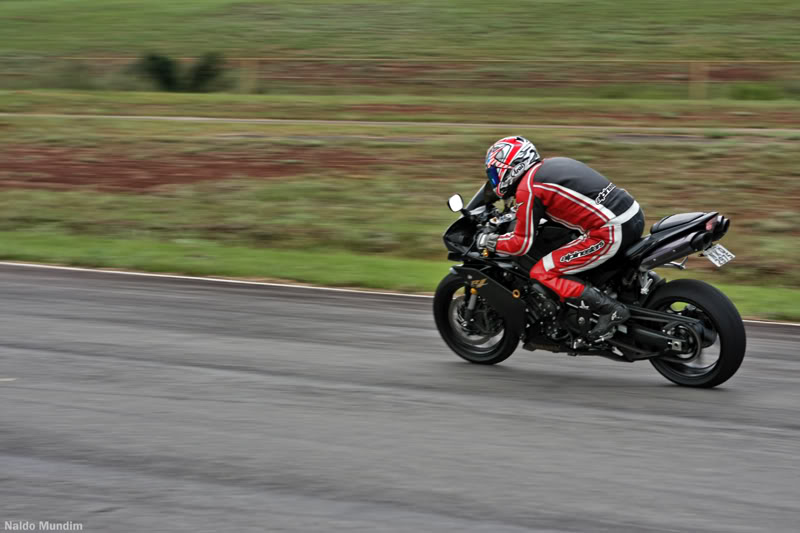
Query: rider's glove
[487,241]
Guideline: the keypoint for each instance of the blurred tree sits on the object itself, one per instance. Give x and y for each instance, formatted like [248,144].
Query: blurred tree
[163,70]
[205,74]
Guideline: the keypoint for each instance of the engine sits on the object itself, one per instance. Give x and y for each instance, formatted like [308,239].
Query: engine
[546,312]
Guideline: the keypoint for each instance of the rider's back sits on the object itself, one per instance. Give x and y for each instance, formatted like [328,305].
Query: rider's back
[568,184]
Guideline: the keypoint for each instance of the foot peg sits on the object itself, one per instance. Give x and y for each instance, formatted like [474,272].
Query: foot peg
[604,337]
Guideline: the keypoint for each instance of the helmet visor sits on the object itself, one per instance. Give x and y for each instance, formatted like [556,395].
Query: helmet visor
[494,177]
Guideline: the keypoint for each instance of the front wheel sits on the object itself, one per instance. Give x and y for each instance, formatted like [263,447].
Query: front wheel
[716,357]
[482,338]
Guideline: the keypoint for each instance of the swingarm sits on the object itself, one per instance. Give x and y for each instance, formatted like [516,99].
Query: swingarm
[650,333]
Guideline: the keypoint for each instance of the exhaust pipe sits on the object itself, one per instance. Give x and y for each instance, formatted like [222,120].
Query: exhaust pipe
[723,224]
[694,242]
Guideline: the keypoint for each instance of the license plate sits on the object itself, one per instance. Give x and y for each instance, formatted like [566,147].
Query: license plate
[718,255]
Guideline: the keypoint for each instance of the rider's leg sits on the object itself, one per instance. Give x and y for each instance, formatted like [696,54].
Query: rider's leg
[587,252]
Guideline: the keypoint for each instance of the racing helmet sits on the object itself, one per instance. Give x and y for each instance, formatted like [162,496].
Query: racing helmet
[507,161]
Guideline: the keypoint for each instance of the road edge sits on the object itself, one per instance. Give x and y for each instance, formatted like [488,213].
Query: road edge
[283,284]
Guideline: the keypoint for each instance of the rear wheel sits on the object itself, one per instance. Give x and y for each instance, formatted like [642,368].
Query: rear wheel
[714,358]
[484,339]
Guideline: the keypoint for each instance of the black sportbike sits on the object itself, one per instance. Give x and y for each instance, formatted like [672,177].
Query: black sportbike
[690,331]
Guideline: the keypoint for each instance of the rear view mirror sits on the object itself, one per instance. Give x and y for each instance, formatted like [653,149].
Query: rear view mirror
[455,203]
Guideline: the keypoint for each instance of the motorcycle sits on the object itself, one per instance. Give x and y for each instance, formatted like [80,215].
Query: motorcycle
[488,305]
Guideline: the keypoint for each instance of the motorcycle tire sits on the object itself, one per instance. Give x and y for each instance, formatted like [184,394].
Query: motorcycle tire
[717,311]
[442,301]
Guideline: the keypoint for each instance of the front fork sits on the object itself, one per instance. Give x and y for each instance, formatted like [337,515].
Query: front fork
[472,302]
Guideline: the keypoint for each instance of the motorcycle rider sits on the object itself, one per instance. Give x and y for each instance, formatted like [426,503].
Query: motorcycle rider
[570,193]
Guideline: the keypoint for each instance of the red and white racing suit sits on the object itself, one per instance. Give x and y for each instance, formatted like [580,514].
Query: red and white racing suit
[572,194]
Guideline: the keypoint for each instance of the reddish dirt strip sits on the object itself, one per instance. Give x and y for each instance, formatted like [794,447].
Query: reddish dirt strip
[102,169]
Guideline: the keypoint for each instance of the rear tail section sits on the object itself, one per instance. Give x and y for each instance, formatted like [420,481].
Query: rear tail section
[672,238]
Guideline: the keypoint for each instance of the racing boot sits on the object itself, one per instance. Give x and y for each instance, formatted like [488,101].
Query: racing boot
[610,312]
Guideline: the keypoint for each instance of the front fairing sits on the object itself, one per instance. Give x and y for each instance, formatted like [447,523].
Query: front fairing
[459,236]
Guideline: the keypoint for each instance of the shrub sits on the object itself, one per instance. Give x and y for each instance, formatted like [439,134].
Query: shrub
[163,70]
[205,75]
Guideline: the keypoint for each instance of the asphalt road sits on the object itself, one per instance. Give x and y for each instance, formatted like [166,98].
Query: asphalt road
[141,404]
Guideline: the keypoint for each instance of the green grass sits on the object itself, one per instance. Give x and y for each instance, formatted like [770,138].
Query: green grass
[526,48]
[357,205]
[415,28]
[209,258]
[368,189]
[677,114]
[199,257]
[368,200]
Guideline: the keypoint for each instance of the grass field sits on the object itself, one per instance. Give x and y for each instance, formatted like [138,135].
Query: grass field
[384,28]
[339,191]
[672,114]
[566,48]
[366,201]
